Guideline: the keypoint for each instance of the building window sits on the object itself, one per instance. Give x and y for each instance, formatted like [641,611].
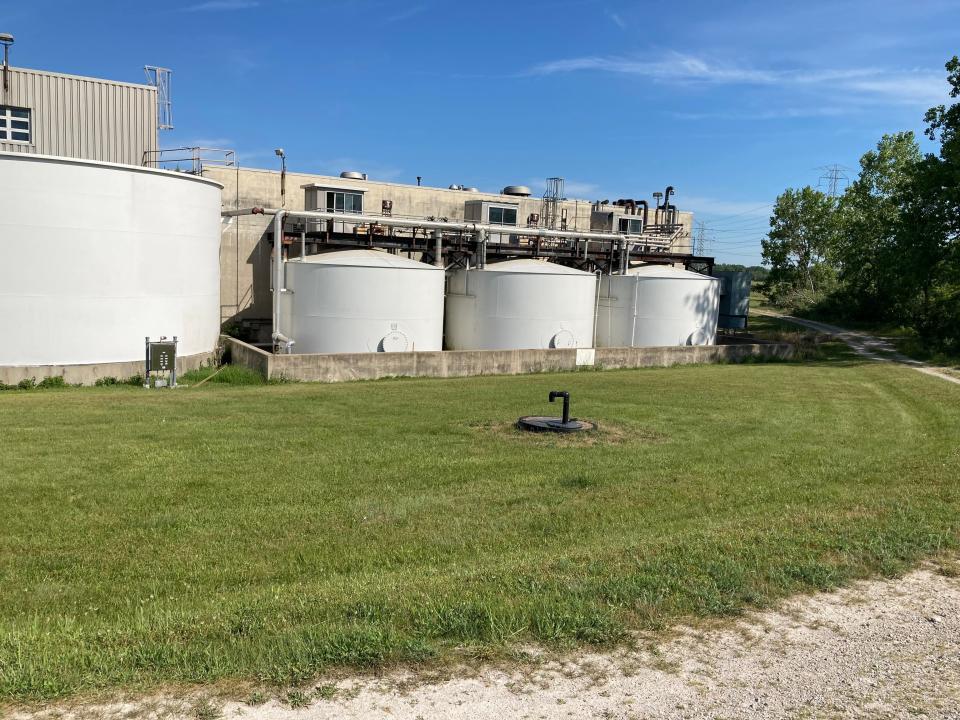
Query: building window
[14,124]
[631,227]
[345,202]
[503,216]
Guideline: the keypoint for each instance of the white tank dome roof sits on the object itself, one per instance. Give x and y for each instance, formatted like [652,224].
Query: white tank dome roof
[534,267]
[667,271]
[366,258]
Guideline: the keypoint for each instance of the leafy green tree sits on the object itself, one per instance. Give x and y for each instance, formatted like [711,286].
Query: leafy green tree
[803,231]
[868,221]
[928,240]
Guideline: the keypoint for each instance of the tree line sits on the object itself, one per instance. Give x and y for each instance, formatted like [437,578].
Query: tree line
[888,248]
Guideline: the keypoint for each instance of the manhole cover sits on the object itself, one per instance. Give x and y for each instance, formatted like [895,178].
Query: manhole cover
[564,424]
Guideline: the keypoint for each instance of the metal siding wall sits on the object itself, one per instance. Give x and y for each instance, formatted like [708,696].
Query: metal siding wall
[83,117]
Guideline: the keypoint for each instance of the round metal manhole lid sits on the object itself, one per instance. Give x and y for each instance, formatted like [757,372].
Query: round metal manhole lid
[563,339]
[394,341]
[543,423]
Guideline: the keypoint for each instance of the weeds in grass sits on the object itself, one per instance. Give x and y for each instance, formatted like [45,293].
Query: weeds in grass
[109,381]
[227,375]
[297,699]
[205,709]
[325,692]
[257,697]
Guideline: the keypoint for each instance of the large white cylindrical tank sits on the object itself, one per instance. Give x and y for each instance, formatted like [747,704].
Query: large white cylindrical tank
[656,306]
[520,304]
[96,256]
[362,301]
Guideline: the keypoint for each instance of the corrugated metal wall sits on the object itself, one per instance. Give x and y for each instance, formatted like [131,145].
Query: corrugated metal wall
[84,117]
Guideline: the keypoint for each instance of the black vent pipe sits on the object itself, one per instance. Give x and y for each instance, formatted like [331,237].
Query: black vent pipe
[646,212]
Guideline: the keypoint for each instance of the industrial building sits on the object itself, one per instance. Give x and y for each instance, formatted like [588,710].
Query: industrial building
[47,113]
[247,245]
[138,242]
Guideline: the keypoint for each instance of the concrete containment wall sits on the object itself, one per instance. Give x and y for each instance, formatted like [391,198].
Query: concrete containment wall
[342,367]
[89,374]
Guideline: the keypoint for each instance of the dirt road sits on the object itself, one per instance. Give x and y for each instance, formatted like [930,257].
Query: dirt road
[869,346]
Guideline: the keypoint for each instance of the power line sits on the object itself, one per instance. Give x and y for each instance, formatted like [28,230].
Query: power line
[744,229]
[728,218]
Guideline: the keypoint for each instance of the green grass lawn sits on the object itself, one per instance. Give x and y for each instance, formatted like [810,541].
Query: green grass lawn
[270,532]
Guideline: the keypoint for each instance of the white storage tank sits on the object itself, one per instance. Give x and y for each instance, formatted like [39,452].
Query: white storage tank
[96,256]
[362,301]
[656,306]
[520,304]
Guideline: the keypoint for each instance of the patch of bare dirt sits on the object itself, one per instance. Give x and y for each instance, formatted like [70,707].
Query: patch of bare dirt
[605,433]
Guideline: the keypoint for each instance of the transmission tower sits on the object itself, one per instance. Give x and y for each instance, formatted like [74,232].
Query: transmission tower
[699,239]
[833,176]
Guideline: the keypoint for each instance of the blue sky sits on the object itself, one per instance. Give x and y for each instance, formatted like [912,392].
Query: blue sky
[728,102]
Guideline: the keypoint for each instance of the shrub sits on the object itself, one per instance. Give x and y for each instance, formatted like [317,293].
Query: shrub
[55,381]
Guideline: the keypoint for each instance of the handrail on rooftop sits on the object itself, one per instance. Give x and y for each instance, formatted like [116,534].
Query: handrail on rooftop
[189,159]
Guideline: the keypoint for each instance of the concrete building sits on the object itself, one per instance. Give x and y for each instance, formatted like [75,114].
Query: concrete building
[246,249]
[50,113]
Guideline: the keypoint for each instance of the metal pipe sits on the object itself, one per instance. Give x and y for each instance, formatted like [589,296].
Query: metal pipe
[666,196]
[453,226]
[596,308]
[6,39]
[669,211]
[438,248]
[278,219]
[554,394]
[646,212]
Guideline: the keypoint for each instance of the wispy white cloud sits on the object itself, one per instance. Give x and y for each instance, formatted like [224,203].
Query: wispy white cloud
[616,20]
[222,5]
[223,143]
[573,189]
[726,211]
[785,113]
[675,67]
[404,14]
[900,86]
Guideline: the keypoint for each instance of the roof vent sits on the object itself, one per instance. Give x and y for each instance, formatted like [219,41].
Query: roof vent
[519,190]
[455,187]
[353,175]
[471,189]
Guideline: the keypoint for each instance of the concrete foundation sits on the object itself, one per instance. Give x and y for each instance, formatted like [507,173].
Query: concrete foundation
[89,374]
[464,363]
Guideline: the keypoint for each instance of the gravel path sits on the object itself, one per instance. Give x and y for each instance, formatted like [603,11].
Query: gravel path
[869,346]
[879,649]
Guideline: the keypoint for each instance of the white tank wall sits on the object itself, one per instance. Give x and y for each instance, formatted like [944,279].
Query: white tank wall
[657,306]
[363,301]
[95,256]
[520,304]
